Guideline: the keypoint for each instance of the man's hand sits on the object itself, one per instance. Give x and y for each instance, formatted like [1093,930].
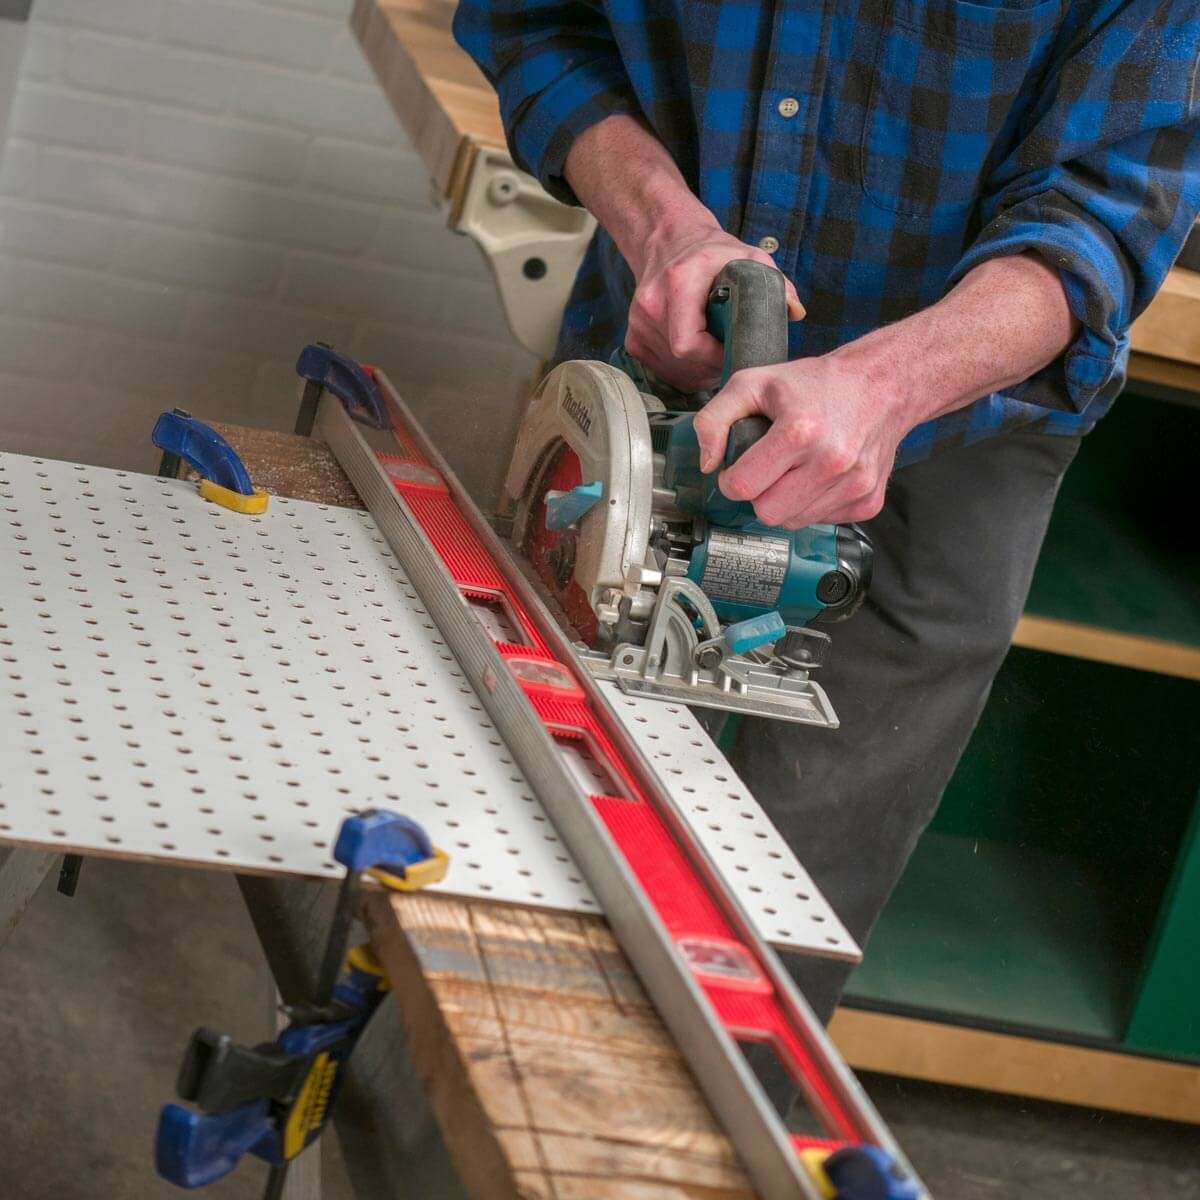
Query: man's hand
[675,272]
[829,451]
[839,418]
[673,244]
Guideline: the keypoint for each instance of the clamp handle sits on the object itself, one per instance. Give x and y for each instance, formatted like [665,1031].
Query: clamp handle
[223,476]
[395,847]
[192,1150]
[351,383]
[203,449]
[747,310]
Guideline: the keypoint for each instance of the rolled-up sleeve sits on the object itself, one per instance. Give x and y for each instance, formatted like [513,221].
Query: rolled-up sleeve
[1104,183]
[556,70]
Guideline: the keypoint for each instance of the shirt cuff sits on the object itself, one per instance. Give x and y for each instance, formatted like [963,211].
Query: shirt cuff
[1097,285]
[546,123]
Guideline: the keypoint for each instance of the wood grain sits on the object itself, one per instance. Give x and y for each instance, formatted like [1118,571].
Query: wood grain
[548,1068]
[1170,327]
[1107,646]
[1024,1066]
[444,103]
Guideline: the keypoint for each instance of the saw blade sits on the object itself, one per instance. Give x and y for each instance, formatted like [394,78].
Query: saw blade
[551,552]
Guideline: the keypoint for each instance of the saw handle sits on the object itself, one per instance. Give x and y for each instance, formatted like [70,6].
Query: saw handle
[747,311]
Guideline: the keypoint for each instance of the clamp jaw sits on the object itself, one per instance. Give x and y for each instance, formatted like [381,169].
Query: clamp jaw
[272,1100]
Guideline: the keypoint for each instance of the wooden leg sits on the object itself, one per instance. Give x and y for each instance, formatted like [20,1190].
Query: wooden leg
[21,873]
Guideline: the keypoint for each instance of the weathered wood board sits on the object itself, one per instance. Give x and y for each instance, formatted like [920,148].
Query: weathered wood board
[544,1061]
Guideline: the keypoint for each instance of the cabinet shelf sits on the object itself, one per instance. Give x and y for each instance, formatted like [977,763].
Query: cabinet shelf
[1034,899]
[1014,935]
[1104,645]
[1122,553]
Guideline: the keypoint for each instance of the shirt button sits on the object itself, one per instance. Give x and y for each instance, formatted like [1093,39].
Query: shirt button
[769,244]
[789,106]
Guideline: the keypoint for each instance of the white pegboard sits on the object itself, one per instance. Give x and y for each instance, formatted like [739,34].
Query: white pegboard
[731,825]
[181,682]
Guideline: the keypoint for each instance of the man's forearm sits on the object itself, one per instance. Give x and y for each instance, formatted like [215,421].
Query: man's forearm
[1004,321]
[625,178]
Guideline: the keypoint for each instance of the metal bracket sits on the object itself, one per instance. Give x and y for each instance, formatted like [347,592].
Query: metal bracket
[684,659]
[533,245]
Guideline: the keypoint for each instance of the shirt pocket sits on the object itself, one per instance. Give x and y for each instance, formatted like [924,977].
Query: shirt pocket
[950,83]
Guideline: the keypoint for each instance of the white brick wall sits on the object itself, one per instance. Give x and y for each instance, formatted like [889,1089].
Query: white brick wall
[192,189]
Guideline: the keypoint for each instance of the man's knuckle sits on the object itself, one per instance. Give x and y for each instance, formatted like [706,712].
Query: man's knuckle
[866,508]
[839,460]
[741,487]
[795,433]
[860,481]
[676,272]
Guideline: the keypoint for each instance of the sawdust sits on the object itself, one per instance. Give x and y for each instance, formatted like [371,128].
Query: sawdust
[286,464]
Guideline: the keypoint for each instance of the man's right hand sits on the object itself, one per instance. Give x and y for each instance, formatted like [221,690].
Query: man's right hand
[667,317]
[674,245]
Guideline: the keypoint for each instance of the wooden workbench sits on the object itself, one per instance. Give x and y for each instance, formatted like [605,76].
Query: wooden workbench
[543,1067]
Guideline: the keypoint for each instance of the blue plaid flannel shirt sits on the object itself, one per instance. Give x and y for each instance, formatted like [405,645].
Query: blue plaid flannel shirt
[926,137]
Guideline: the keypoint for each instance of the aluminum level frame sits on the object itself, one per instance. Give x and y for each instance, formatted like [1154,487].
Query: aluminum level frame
[731,1088]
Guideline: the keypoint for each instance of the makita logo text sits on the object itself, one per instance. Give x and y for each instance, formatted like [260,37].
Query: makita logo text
[578,412]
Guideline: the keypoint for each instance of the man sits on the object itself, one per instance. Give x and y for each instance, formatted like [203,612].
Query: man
[974,198]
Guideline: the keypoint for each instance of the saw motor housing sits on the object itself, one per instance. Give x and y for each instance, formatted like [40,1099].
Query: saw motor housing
[675,588]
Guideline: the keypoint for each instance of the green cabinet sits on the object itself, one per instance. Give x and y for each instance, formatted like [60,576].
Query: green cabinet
[1057,892]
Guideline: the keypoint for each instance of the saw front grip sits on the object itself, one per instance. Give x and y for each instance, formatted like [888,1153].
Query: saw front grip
[747,311]
[352,384]
[223,476]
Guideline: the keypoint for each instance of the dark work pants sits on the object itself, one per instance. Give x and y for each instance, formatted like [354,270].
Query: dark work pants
[955,548]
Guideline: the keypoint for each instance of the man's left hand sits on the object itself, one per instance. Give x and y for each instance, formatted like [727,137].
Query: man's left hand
[828,454]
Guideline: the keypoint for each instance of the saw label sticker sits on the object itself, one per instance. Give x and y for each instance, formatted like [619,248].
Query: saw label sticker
[745,568]
[578,411]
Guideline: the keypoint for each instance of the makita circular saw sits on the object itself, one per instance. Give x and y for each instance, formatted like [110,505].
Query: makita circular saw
[675,590]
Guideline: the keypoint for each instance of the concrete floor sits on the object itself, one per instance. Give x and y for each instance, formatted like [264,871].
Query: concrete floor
[99,994]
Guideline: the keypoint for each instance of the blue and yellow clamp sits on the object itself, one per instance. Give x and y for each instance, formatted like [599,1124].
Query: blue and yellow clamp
[323,369]
[273,1100]
[857,1172]
[223,476]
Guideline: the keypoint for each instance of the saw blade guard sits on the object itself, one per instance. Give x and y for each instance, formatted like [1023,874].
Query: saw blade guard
[596,412]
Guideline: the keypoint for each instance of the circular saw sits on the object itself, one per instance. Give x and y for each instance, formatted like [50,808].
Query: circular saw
[675,590]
